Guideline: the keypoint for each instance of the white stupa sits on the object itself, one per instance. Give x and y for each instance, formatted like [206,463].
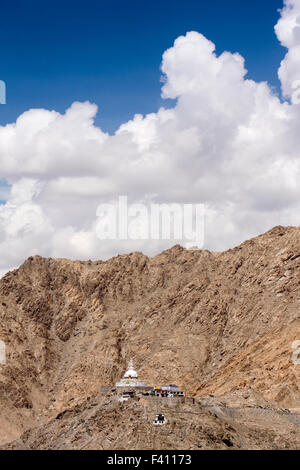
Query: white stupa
[130,378]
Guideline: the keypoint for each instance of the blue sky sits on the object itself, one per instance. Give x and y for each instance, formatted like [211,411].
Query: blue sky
[219,139]
[109,52]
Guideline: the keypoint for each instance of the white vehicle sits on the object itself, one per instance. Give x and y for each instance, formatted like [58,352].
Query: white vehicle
[124,397]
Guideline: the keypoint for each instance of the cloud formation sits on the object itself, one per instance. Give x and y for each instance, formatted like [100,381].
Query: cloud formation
[229,142]
[288,33]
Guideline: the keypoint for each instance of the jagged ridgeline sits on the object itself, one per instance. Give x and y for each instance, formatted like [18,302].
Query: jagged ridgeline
[219,325]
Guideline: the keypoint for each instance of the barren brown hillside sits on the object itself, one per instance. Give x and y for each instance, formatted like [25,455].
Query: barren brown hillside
[218,324]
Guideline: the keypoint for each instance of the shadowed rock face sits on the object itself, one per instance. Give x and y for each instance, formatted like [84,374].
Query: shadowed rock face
[214,323]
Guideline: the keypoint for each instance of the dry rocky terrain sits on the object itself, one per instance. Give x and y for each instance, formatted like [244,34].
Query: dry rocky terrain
[220,325]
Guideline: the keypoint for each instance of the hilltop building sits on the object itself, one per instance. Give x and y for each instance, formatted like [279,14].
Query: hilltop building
[169,391]
[131,379]
[159,420]
[130,386]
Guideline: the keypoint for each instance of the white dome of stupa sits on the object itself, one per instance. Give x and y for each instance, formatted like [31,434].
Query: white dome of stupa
[130,373]
[130,378]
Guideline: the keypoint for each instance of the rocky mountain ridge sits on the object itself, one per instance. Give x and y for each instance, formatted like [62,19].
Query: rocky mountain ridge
[214,323]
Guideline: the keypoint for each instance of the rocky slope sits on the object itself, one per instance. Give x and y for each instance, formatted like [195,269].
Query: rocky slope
[214,323]
[103,423]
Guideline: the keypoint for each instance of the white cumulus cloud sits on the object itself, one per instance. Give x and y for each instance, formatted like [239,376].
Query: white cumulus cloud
[228,142]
